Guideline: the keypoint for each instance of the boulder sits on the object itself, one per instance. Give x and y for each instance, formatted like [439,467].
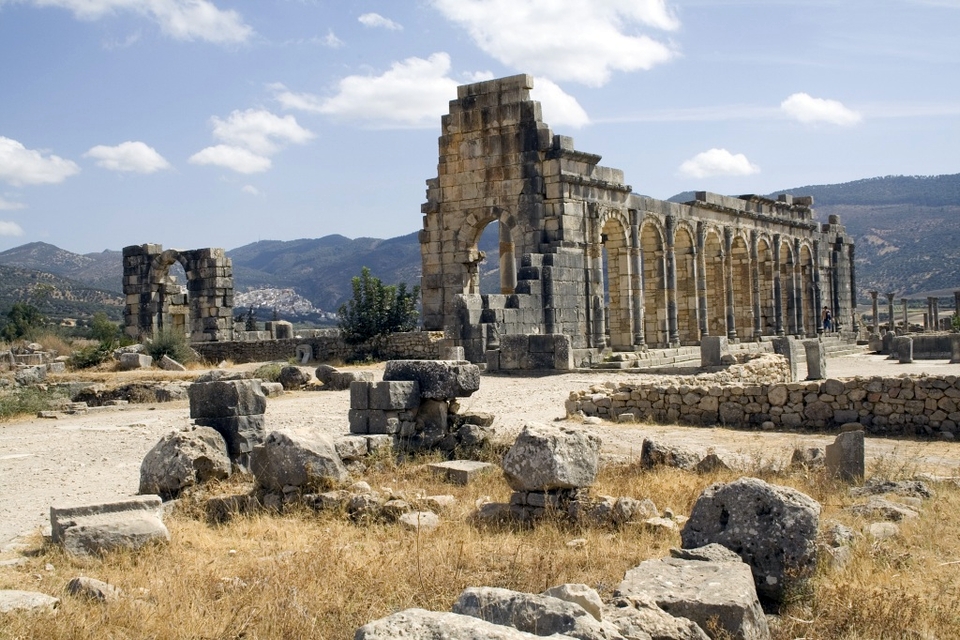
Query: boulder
[12,600]
[772,528]
[30,375]
[807,458]
[241,433]
[182,459]
[419,521]
[545,457]
[293,378]
[708,593]
[324,373]
[579,594]
[538,614]
[93,589]
[637,617]
[421,624]
[226,399]
[438,379]
[169,364]
[656,454]
[712,552]
[341,380]
[305,461]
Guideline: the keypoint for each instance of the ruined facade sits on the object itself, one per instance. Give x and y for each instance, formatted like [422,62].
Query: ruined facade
[203,310]
[581,255]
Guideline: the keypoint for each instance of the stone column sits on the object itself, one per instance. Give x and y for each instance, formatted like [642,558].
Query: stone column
[673,323]
[956,302]
[636,280]
[777,287]
[700,260]
[906,319]
[728,279]
[798,288]
[890,323]
[817,291]
[928,321]
[755,272]
[596,295]
[936,314]
[876,311]
[508,262]
[853,290]
[835,282]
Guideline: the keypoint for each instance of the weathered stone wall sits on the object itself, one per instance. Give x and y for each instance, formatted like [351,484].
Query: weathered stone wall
[415,345]
[923,406]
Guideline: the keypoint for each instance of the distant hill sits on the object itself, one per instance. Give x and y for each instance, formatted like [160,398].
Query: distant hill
[907,229]
[55,296]
[98,270]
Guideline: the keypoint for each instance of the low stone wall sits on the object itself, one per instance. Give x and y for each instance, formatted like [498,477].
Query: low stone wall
[926,405]
[414,345]
[933,346]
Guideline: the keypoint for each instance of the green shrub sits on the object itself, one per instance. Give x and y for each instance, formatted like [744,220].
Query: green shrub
[269,372]
[27,401]
[91,356]
[376,309]
[170,343]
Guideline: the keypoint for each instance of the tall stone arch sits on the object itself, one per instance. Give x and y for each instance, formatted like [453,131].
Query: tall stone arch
[204,312]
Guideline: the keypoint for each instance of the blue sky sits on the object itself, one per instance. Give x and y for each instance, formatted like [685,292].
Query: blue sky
[198,123]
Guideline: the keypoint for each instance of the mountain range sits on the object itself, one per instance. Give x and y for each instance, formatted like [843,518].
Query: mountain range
[907,230]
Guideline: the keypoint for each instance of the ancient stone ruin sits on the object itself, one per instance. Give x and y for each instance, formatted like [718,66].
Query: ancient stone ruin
[156,302]
[585,264]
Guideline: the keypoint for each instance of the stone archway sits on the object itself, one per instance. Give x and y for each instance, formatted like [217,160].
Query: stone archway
[154,302]
[768,323]
[687,320]
[716,322]
[742,286]
[654,286]
[613,238]
[811,315]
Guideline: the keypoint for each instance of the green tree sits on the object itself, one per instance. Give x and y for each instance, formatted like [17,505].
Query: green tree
[376,309]
[23,321]
[103,330]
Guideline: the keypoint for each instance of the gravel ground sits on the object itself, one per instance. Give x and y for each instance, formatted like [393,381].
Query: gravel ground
[96,456]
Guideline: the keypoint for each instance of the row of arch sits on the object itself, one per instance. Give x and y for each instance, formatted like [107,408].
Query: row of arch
[672,283]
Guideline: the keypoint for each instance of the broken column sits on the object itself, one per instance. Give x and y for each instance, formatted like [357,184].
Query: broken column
[816,360]
[876,311]
[845,457]
[788,347]
[906,318]
[712,350]
[234,408]
[890,321]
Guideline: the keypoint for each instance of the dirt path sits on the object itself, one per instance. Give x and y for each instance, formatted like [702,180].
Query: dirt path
[96,456]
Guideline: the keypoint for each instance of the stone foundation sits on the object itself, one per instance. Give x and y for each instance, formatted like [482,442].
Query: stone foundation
[414,345]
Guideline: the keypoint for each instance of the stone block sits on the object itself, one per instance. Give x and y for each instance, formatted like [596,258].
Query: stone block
[360,394]
[460,471]
[298,460]
[539,614]
[359,421]
[394,395]
[545,457]
[816,359]
[789,348]
[226,399]
[94,529]
[712,350]
[438,379]
[131,361]
[452,353]
[383,422]
[845,457]
[903,349]
[241,433]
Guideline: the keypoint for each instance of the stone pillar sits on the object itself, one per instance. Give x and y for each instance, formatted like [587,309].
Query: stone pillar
[636,281]
[755,273]
[728,278]
[928,316]
[673,323]
[853,290]
[835,281]
[956,302]
[876,311]
[890,320]
[777,288]
[817,291]
[508,262]
[701,266]
[798,288]
[936,314]
[816,359]
[906,319]
[596,295]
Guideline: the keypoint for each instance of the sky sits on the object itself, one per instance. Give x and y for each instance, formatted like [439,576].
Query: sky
[196,123]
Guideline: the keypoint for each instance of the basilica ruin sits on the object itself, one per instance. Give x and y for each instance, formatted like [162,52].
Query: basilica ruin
[586,265]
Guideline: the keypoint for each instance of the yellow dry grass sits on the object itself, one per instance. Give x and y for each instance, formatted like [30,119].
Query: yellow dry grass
[304,575]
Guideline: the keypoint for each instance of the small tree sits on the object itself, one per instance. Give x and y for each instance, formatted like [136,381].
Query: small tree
[23,321]
[103,330]
[376,309]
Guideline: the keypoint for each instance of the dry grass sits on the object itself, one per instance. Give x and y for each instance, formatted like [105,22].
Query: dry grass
[320,576]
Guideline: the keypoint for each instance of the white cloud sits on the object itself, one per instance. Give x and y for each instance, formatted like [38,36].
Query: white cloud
[259,131]
[331,40]
[19,165]
[566,39]
[810,110]
[375,20]
[179,19]
[7,205]
[128,156]
[10,228]
[252,190]
[236,158]
[412,93]
[718,162]
[559,107]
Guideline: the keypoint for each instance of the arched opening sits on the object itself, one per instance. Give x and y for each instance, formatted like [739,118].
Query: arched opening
[768,322]
[654,287]
[484,275]
[716,285]
[687,324]
[811,315]
[742,286]
[171,311]
[617,294]
[489,269]
[788,298]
